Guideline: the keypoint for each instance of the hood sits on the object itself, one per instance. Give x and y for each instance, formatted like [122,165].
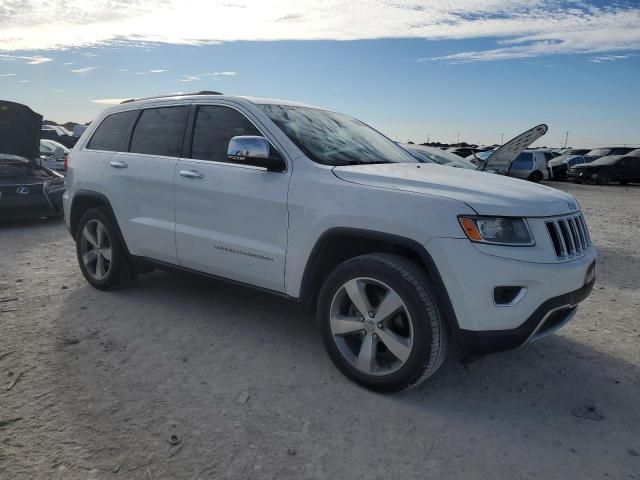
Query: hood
[19,130]
[500,160]
[561,159]
[486,194]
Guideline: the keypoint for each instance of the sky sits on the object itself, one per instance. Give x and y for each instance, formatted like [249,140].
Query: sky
[415,70]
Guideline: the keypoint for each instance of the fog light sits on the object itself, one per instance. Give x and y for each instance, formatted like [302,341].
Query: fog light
[508,296]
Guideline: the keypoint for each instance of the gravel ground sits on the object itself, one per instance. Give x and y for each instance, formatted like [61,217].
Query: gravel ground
[102,380]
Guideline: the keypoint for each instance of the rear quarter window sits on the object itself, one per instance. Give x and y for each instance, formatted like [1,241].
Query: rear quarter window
[113,133]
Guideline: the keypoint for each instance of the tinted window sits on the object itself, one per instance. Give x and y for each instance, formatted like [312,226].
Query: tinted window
[213,129]
[114,131]
[523,162]
[160,131]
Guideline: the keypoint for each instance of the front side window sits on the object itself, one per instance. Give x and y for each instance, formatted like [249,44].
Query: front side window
[214,127]
[113,133]
[160,131]
[332,138]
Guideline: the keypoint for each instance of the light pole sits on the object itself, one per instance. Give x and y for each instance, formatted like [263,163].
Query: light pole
[501,139]
[566,138]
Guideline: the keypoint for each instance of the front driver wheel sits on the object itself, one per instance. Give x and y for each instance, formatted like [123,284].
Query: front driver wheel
[100,253]
[381,323]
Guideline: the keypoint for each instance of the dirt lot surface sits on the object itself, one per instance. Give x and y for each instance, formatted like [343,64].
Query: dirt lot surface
[101,380]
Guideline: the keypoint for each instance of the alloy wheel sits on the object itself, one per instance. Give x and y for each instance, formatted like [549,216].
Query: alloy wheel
[95,249]
[371,326]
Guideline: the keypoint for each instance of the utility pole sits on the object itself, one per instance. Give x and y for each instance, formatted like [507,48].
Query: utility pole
[566,138]
[458,139]
[501,139]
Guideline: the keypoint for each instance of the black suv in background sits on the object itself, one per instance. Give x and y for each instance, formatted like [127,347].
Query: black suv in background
[612,168]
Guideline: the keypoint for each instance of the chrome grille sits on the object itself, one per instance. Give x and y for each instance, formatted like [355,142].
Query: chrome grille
[569,235]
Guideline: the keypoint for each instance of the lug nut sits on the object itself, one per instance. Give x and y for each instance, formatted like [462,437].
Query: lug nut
[370,314]
[379,324]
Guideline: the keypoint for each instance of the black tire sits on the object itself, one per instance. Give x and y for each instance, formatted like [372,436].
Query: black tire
[536,177]
[624,182]
[430,335]
[118,265]
[603,179]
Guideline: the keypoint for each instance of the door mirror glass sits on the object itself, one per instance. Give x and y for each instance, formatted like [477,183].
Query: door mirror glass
[256,151]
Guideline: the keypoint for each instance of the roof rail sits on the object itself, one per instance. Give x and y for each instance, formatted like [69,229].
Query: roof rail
[182,94]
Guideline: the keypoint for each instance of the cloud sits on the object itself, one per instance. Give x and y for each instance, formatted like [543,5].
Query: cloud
[58,90]
[147,72]
[198,76]
[523,28]
[110,101]
[24,81]
[30,60]
[4,75]
[189,78]
[610,58]
[83,70]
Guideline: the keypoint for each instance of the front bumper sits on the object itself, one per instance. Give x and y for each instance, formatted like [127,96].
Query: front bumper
[547,318]
[470,275]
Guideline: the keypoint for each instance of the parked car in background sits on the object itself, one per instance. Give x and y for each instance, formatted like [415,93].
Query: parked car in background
[78,130]
[559,166]
[53,155]
[605,152]
[501,160]
[530,165]
[576,151]
[58,134]
[462,151]
[612,168]
[26,188]
[435,155]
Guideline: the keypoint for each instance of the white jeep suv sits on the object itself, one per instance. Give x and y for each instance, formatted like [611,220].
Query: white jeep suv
[400,259]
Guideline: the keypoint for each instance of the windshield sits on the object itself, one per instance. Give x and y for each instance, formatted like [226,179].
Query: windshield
[599,152]
[483,155]
[334,139]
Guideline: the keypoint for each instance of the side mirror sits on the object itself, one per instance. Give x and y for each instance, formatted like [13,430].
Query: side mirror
[256,151]
[59,154]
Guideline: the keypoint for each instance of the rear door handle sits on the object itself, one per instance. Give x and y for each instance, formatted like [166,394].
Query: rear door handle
[118,164]
[191,174]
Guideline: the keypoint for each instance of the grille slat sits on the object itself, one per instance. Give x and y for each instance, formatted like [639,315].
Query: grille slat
[569,236]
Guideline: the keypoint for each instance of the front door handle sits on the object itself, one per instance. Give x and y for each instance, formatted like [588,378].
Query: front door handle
[191,174]
[118,164]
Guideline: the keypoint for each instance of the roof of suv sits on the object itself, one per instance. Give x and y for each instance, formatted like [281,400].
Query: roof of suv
[210,95]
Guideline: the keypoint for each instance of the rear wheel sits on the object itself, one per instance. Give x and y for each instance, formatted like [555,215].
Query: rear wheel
[100,253]
[381,323]
[536,176]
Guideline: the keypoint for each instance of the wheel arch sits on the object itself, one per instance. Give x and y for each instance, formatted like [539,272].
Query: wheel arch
[352,242]
[83,200]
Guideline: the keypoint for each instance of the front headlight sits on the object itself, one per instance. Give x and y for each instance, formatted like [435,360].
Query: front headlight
[497,230]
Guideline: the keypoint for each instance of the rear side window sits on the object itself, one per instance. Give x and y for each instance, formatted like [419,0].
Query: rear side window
[113,133]
[214,127]
[523,162]
[160,131]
